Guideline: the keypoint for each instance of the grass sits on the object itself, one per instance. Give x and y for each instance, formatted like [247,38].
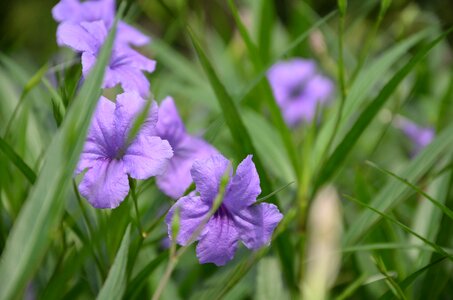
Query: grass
[394,206]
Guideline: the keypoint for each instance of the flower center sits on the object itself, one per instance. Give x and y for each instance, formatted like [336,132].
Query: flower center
[297,90]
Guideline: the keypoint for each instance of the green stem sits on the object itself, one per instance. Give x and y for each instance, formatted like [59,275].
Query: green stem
[132,185]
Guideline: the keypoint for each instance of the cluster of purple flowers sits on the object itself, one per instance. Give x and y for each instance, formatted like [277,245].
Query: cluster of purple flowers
[161,147]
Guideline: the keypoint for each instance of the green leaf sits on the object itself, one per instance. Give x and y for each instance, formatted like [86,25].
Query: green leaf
[339,155]
[265,26]
[269,283]
[42,211]
[115,284]
[434,246]
[266,92]
[437,203]
[394,192]
[139,280]
[411,278]
[361,88]
[231,115]
[17,161]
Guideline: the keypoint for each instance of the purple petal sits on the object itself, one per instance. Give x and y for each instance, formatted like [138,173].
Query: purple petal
[256,224]
[219,241]
[77,38]
[75,12]
[207,175]
[192,213]
[101,136]
[129,106]
[88,61]
[175,181]
[130,78]
[244,187]
[147,156]
[170,126]
[97,30]
[105,185]
[65,10]
[127,34]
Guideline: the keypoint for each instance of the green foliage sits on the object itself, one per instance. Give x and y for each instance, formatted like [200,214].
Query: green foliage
[388,61]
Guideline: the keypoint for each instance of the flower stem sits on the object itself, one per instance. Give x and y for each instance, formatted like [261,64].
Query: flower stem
[132,185]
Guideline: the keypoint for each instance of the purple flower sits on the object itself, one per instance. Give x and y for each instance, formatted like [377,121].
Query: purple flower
[110,158]
[76,12]
[298,89]
[186,149]
[125,66]
[420,136]
[238,218]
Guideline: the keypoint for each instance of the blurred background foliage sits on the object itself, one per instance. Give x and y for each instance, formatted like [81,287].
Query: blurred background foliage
[27,38]
[27,27]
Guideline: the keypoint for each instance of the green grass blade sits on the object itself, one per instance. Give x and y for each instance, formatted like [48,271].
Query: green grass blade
[437,203]
[31,233]
[245,146]
[17,161]
[411,278]
[394,192]
[387,217]
[366,81]
[231,114]
[139,280]
[333,164]
[266,90]
[115,284]
[265,26]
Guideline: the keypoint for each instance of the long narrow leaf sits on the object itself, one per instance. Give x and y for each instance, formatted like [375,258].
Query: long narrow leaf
[115,284]
[17,161]
[31,234]
[333,164]
[393,193]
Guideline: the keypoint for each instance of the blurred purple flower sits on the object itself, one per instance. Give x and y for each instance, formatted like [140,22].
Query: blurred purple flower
[186,149]
[126,65]
[298,89]
[76,12]
[238,217]
[420,136]
[109,157]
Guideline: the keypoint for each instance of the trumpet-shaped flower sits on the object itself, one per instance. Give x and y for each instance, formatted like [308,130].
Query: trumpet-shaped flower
[237,218]
[76,12]
[299,88]
[186,149]
[108,155]
[126,65]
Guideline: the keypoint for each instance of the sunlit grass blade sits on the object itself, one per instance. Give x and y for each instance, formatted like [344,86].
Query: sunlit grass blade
[394,192]
[339,155]
[17,161]
[31,233]
[115,284]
